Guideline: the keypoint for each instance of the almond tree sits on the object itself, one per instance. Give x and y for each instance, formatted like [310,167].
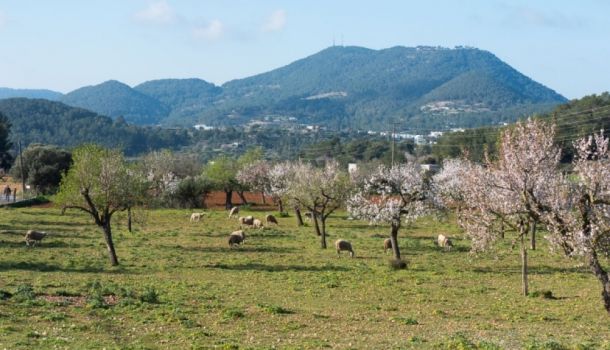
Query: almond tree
[280,177]
[101,183]
[393,195]
[510,188]
[255,176]
[321,191]
[578,213]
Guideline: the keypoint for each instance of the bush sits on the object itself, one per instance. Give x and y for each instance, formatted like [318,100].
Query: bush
[25,292]
[150,295]
[275,309]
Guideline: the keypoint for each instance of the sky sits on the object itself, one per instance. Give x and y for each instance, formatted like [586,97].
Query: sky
[66,44]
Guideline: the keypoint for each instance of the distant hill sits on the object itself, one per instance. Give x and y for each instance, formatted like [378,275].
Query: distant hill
[341,88]
[114,99]
[363,88]
[49,122]
[30,93]
[183,97]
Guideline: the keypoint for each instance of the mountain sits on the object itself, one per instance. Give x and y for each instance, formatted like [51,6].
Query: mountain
[341,88]
[114,99]
[30,93]
[49,122]
[364,88]
[183,97]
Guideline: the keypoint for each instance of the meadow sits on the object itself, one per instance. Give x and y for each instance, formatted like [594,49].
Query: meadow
[180,286]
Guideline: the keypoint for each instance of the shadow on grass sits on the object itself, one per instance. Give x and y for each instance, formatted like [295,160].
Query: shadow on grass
[224,250]
[533,270]
[275,268]
[46,267]
[38,223]
[41,245]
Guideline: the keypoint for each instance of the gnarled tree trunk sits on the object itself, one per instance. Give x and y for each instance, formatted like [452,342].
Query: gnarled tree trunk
[114,261]
[394,238]
[323,232]
[601,275]
[228,200]
[533,236]
[297,211]
[316,225]
[524,272]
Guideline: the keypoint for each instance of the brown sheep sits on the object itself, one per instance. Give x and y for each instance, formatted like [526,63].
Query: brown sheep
[236,238]
[387,245]
[34,237]
[342,244]
[270,219]
[234,211]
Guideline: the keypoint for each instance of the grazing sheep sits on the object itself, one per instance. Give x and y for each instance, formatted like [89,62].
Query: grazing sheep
[444,242]
[196,217]
[309,216]
[270,219]
[236,238]
[257,223]
[34,237]
[247,220]
[387,245]
[234,211]
[342,244]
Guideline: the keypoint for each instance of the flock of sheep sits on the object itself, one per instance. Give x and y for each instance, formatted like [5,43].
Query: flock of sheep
[33,237]
[238,237]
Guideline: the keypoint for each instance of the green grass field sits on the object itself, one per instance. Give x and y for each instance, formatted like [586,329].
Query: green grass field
[180,286]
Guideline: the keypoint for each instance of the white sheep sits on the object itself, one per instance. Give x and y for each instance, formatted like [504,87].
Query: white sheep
[234,211]
[246,220]
[270,219]
[236,238]
[444,242]
[34,237]
[387,245]
[309,215]
[257,223]
[196,217]
[341,245]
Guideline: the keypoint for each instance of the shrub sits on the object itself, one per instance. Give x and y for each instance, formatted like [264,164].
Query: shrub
[150,295]
[25,292]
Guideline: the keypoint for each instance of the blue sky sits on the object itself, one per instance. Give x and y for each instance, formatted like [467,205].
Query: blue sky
[66,44]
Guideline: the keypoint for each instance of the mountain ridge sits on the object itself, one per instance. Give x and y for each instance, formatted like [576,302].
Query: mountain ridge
[338,87]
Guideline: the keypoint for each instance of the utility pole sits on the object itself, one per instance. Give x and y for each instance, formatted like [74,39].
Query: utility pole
[393,138]
[21,166]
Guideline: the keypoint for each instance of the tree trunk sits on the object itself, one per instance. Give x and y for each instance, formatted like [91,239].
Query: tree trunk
[263,197]
[280,205]
[242,197]
[533,236]
[315,223]
[129,219]
[601,275]
[524,264]
[394,238]
[502,229]
[228,200]
[114,261]
[297,211]
[323,236]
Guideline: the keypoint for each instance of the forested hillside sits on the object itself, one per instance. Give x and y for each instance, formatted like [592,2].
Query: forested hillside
[575,119]
[114,99]
[30,93]
[341,88]
[47,122]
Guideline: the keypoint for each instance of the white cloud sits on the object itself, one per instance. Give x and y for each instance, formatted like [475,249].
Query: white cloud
[211,31]
[157,12]
[275,22]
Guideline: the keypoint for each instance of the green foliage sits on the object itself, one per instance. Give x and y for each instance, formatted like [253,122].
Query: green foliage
[149,295]
[221,172]
[43,167]
[5,128]
[47,122]
[190,192]
[575,119]
[115,99]
[24,292]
